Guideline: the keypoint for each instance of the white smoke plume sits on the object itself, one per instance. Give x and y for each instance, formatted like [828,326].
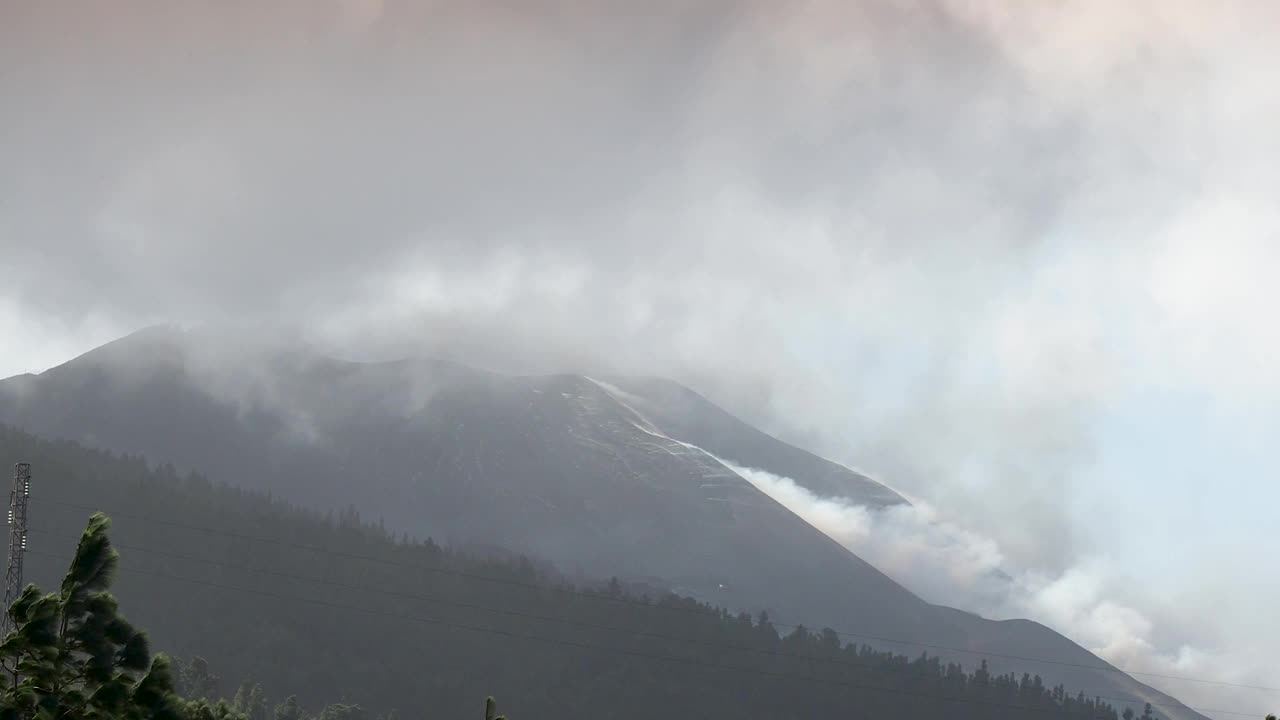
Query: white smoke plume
[1018,256]
[1089,602]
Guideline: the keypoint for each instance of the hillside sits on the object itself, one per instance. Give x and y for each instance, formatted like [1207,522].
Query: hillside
[599,477]
[338,609]
[553,466]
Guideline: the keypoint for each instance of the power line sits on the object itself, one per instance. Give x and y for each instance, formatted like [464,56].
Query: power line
[579,623]
[610,598]
[580,645]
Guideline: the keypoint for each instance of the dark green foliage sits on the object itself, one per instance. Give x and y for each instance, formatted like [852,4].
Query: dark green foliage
[491,706]
[335,608]
[289,709]
[194,680]
[75,656]
[250,701]
[206,709]
[341,711]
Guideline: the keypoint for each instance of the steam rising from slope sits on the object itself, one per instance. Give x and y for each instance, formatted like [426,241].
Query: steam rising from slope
[948,564]
[1018,256]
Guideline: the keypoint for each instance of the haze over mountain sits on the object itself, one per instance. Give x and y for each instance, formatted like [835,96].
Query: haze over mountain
[618,475]
[1014,258]
[427,628]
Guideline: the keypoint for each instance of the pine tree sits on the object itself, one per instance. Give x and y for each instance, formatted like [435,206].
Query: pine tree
[241,700]
[491,710]
[250,701]
[289,709]
[75,656]
[196,681]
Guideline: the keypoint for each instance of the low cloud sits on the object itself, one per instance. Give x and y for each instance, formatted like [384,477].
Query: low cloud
[1016,256]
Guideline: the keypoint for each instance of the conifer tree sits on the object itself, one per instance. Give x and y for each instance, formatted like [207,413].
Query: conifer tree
[250,701]
[195,680]
[75,656]
[289,709]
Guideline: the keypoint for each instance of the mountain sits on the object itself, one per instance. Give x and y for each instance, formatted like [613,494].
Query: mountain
[598,476]
[675,411]
[337,609]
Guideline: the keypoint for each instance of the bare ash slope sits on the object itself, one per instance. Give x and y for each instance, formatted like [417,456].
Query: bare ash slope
[682,413]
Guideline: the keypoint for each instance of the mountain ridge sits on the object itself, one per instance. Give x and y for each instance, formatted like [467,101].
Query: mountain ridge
[555,466]
[256,576]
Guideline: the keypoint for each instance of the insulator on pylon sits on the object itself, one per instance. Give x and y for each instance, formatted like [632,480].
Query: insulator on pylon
[18,495]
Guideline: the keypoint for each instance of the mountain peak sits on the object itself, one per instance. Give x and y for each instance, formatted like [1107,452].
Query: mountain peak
[620,474]
[156,343]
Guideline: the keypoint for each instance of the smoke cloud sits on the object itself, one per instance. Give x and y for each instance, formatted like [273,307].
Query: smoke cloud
[946,563]
[1015,257]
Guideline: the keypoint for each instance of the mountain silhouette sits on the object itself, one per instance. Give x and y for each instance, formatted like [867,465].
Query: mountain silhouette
[609,475]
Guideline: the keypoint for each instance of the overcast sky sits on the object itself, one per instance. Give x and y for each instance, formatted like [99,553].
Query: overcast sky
[1013,258]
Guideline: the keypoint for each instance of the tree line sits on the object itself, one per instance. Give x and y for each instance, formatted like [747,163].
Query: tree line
[71,655]
[346,621]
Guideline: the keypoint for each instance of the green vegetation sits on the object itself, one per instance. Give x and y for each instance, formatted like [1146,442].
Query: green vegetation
[72,655]
[338,611]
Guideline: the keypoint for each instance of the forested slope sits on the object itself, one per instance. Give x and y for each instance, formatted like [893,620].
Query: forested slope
[333,608]
[597,476]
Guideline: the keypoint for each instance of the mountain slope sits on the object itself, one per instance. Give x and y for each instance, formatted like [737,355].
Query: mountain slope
[597,476]
[679,412]
[332,609]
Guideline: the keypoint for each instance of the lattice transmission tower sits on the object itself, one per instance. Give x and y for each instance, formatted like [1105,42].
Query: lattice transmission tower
[18,497]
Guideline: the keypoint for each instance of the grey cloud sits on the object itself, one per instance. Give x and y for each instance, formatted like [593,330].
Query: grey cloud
[932,238]
[156,155]
[776,205]
[722,193]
